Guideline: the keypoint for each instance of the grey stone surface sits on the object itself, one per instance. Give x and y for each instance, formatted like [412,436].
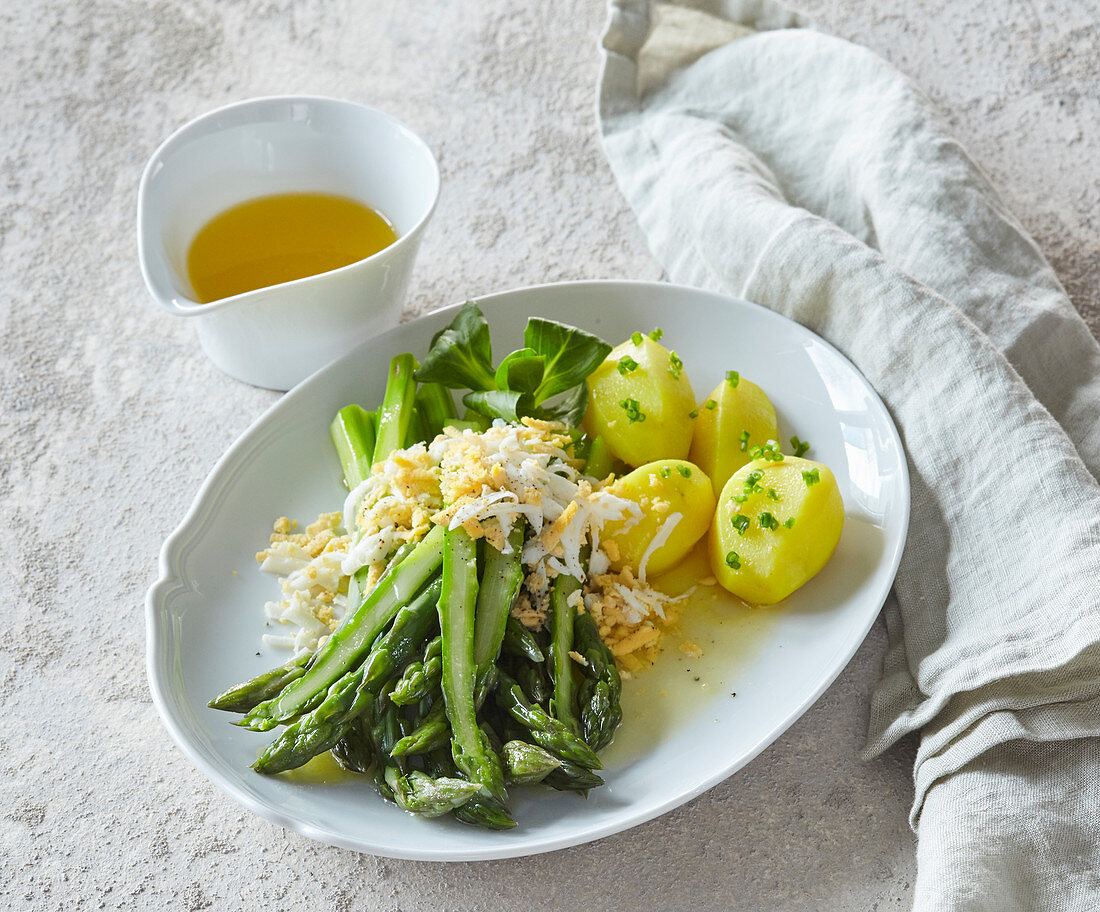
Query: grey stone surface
[110,417]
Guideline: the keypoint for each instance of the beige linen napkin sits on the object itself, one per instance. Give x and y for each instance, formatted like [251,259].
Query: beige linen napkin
[773,162]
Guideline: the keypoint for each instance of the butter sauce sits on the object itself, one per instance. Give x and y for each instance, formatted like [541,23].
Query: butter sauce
[275,239]
[679,687]
[321,770]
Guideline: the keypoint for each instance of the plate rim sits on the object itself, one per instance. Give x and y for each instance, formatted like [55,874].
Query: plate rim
[202,507]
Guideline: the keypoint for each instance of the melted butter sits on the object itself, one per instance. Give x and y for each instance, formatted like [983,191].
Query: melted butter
[276,239]
[321,770]
[679,687]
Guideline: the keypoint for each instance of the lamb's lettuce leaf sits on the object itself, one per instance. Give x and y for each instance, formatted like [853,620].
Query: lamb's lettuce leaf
[522,370]
[568,409]
[544,379]
[461,355]
[506,404]
[571,355]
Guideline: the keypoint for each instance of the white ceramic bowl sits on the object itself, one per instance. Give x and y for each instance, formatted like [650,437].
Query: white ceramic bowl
[277,336]
[205,614]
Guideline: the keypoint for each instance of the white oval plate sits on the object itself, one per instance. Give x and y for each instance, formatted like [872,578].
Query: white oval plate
[205,621]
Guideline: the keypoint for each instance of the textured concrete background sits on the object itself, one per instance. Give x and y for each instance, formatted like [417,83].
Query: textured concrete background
[110,417]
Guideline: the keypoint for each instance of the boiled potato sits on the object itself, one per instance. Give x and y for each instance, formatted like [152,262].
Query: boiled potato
[781,534]
[640,402]
[718,445]
[661,489]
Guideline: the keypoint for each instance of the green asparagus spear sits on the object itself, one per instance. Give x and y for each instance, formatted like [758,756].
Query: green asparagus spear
[561,643]
[494,739]
[527,763]
[404,638]
[317,731]
[353,751]
[420,678]
[385,727]
[569,776]
[472,754]
[347,699]
[419,793]
[532,678]
[270,684]
[358,580]
[477,420]
[478,811]
[363,438]
[600,691]
[520,641]
[572,777]
[395,415]
[353,432]
[379,778]
[433,731]
[433,649]
[484,812]
[384,731]
[436,406]
[598,464]
[244,696]
[418,429]
[542,728]
[485,684]
[500,582]
[349,644]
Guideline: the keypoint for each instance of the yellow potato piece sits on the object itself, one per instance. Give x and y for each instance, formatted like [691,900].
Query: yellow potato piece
[765,561]
[642,412]
[662,489]
[717,446]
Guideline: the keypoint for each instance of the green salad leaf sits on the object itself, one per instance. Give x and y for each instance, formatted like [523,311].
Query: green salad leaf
[569,409]
[507,404]
[571,355]
[544,379]
[461,355]
[522,370]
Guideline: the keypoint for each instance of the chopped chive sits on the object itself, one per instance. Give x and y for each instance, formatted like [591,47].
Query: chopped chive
[811,477]
[800,446]
[633,410]
[744,441]
[636,338]
[773,494]
[627,364]
[789,523]
[694,413]
[769,451]
[740,523]
[664,471]
[767,521]
[675,365]
[710,404]
[733,378]
[657,334]
[733,560]
[684,470]
[740,498]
